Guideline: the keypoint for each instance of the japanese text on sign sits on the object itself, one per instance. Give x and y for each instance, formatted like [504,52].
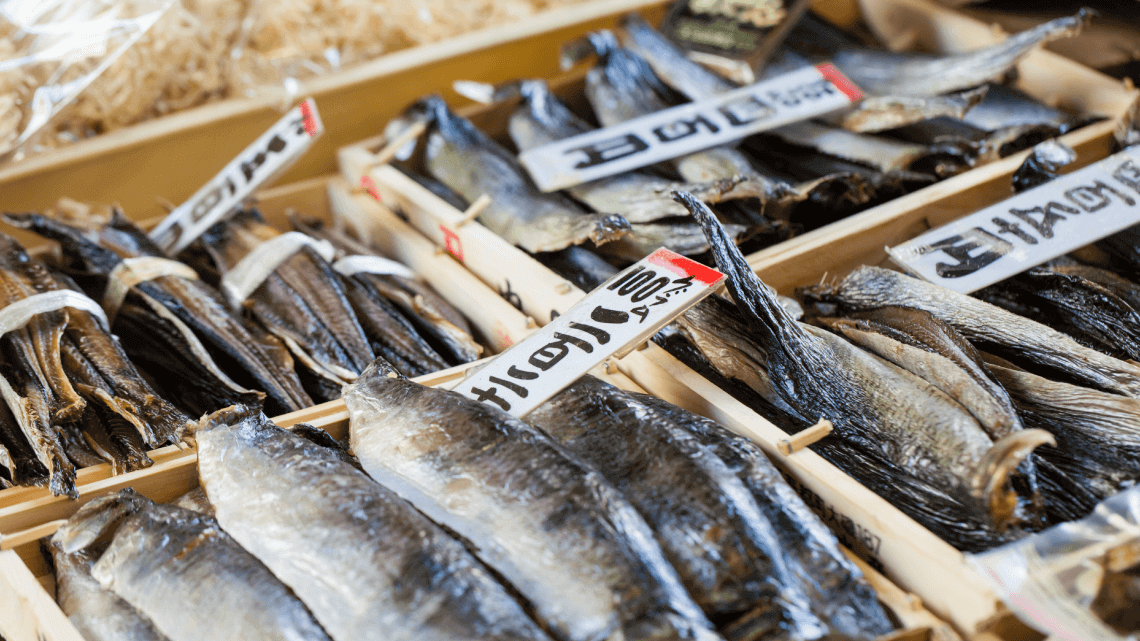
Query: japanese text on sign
[1033,227]
[684,129]
[616,317]
[268,156]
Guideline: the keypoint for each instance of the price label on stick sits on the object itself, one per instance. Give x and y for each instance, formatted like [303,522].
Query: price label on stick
[688,128]
[274,152]
[1031,228]
[619,315]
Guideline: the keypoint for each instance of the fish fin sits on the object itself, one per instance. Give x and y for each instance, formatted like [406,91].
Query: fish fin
[381,367]
[991,480]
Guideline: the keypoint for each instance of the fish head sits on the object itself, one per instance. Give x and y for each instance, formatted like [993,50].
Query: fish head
[98,517]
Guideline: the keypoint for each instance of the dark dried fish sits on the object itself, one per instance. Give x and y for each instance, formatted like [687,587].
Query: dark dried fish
[580,266]
[708,525]
[835,586]
[550,525]
[185,323]
[466,160]
[886,412]
[303,303]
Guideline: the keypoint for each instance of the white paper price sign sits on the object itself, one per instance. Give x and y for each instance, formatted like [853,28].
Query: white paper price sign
[1034,226]
[619,315]
[685,129]
[268,156]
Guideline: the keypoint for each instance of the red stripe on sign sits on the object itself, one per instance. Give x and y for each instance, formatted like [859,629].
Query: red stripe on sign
[370,188]
[451,241]
[307,117]
[842,82]
[682,266]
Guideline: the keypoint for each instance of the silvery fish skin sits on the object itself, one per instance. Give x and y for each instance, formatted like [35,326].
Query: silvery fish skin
[835,586]
[880,408]
[685,238]
[180,570]
[879,113]
[709,526]
[466,160]
[885,73]
[368,565]
[638,196]
[546,522]
[1097,435]
[97,614]
[985,324]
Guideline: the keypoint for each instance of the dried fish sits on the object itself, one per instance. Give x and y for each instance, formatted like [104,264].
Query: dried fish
[886,73]
[987,326]
[685,238]
[180,324]
[881,153]
[302,302]
[550,525]
[97,613]
[472,164]
[883,412]
[365,561]
[710,528]
[835,586]
[880,113]
[181,571]
[580,266]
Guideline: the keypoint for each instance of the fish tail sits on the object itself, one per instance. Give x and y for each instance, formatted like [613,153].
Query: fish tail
[991,480]
[381,367]
[599,43]
[226,416]
[609,228]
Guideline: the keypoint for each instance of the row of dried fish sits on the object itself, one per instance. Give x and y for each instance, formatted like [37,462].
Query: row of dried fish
[925,118]
[983,417]
[605,515]
[187,342]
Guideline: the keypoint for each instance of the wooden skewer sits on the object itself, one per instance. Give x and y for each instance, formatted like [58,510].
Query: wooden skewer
[481,203]
[805,438]
[10,541]
[385,155]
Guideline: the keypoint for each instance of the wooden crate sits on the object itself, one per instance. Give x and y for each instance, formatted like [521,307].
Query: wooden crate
[489,314]
[28,611]
[172,156]
[909,554]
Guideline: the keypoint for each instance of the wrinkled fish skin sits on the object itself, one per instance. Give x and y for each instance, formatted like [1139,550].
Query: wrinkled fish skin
[738,561]
[179,569]
[876,406]
[466,160]
[547,523]
[985,325]
[1068,303]
[967,381]
[884,73]
[368,565]
[95,612]
[835,586]
[1098,438]
[685,238]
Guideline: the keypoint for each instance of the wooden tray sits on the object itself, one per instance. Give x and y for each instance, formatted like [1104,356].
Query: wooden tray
[28,611]
[171,157]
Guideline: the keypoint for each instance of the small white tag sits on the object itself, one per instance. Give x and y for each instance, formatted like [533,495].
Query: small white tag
[132,271]
[252,270]
[619,315]
[685,129]
[269,155]
[379,265]
[16,315]
[1034,226]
